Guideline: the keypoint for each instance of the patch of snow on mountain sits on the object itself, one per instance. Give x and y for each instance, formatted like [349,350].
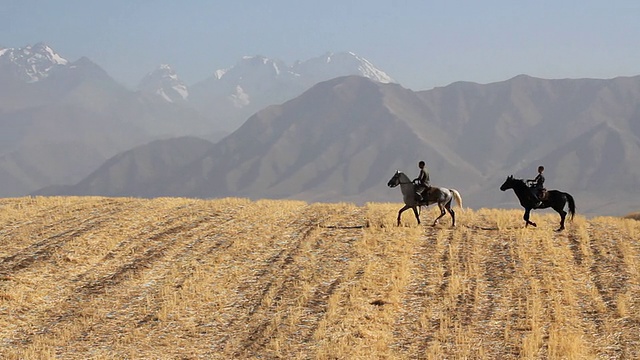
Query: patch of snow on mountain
[31,63]
[164,82]
[239,97]
[218,74]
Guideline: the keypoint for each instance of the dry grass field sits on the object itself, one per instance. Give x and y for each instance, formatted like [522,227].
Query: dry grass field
[120,278]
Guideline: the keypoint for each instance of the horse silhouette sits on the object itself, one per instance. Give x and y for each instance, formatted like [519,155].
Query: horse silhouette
[441,196]
[555,199]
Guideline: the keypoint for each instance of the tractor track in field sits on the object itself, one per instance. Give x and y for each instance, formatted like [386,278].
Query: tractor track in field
[45,248]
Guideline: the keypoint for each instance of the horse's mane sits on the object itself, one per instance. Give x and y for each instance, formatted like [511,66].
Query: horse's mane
[518,180]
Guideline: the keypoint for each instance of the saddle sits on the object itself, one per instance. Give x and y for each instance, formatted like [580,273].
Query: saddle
[422,194]
[543,194]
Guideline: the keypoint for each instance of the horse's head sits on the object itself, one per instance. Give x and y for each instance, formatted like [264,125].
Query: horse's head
[508,184]
[395,179]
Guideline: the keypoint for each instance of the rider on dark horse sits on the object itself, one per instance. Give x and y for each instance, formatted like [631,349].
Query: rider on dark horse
[537,187]
[422,182]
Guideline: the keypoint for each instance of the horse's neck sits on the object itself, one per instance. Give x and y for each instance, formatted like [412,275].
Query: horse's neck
[407,188]
[404,178]
[521,189]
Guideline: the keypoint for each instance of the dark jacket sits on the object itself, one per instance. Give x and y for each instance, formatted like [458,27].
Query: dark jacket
[538,182]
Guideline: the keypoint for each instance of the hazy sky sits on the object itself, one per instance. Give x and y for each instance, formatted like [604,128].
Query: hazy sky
[422,44]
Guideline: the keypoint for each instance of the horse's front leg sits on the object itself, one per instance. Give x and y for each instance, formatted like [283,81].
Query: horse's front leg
[402,210]
[416,213]
[526,218]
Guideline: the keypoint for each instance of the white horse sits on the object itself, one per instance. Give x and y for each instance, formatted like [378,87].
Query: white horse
[440,195]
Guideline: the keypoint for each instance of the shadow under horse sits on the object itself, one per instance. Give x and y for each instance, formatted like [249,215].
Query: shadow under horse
[442,196]
[555,199]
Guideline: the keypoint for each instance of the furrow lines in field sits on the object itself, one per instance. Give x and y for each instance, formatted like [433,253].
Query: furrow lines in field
[275,284]
[44,249]
[614,273]
[220,276]
[608,268]
[33,220]
[413,327]
[54,317]
[293,292]
[164,240]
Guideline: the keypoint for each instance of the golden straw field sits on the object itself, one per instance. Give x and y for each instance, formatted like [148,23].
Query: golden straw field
[173,278]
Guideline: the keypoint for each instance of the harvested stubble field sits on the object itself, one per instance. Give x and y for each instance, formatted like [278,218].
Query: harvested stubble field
[115,278]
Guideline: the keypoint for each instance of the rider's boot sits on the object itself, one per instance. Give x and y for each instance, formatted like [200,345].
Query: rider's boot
[537,202]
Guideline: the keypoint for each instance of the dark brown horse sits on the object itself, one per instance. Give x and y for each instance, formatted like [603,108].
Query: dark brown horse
[555,199]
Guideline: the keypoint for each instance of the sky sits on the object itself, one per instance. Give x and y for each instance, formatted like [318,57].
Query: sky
[422,44]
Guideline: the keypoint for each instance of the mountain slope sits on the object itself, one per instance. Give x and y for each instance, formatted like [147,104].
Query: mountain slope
[134,171]
[39,166]
[341,139]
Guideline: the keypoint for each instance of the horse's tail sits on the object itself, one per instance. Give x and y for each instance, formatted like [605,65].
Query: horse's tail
[572,205]
[456,195]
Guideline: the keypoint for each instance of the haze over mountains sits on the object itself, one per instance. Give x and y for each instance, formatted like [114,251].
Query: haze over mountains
[314,134]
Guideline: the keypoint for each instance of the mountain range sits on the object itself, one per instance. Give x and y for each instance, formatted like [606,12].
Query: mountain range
[230,96]
[342,139]
[60,119]
[338,139]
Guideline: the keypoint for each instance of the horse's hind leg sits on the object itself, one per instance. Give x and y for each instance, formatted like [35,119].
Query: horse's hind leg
[453,215]
[563,214]
[442,213]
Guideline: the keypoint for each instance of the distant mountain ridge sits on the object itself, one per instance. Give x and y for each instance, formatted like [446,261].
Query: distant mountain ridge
[342,140]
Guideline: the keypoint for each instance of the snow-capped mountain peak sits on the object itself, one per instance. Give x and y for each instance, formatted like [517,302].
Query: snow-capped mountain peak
[164,82]
[306,73]
[332,65]
[31,63]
